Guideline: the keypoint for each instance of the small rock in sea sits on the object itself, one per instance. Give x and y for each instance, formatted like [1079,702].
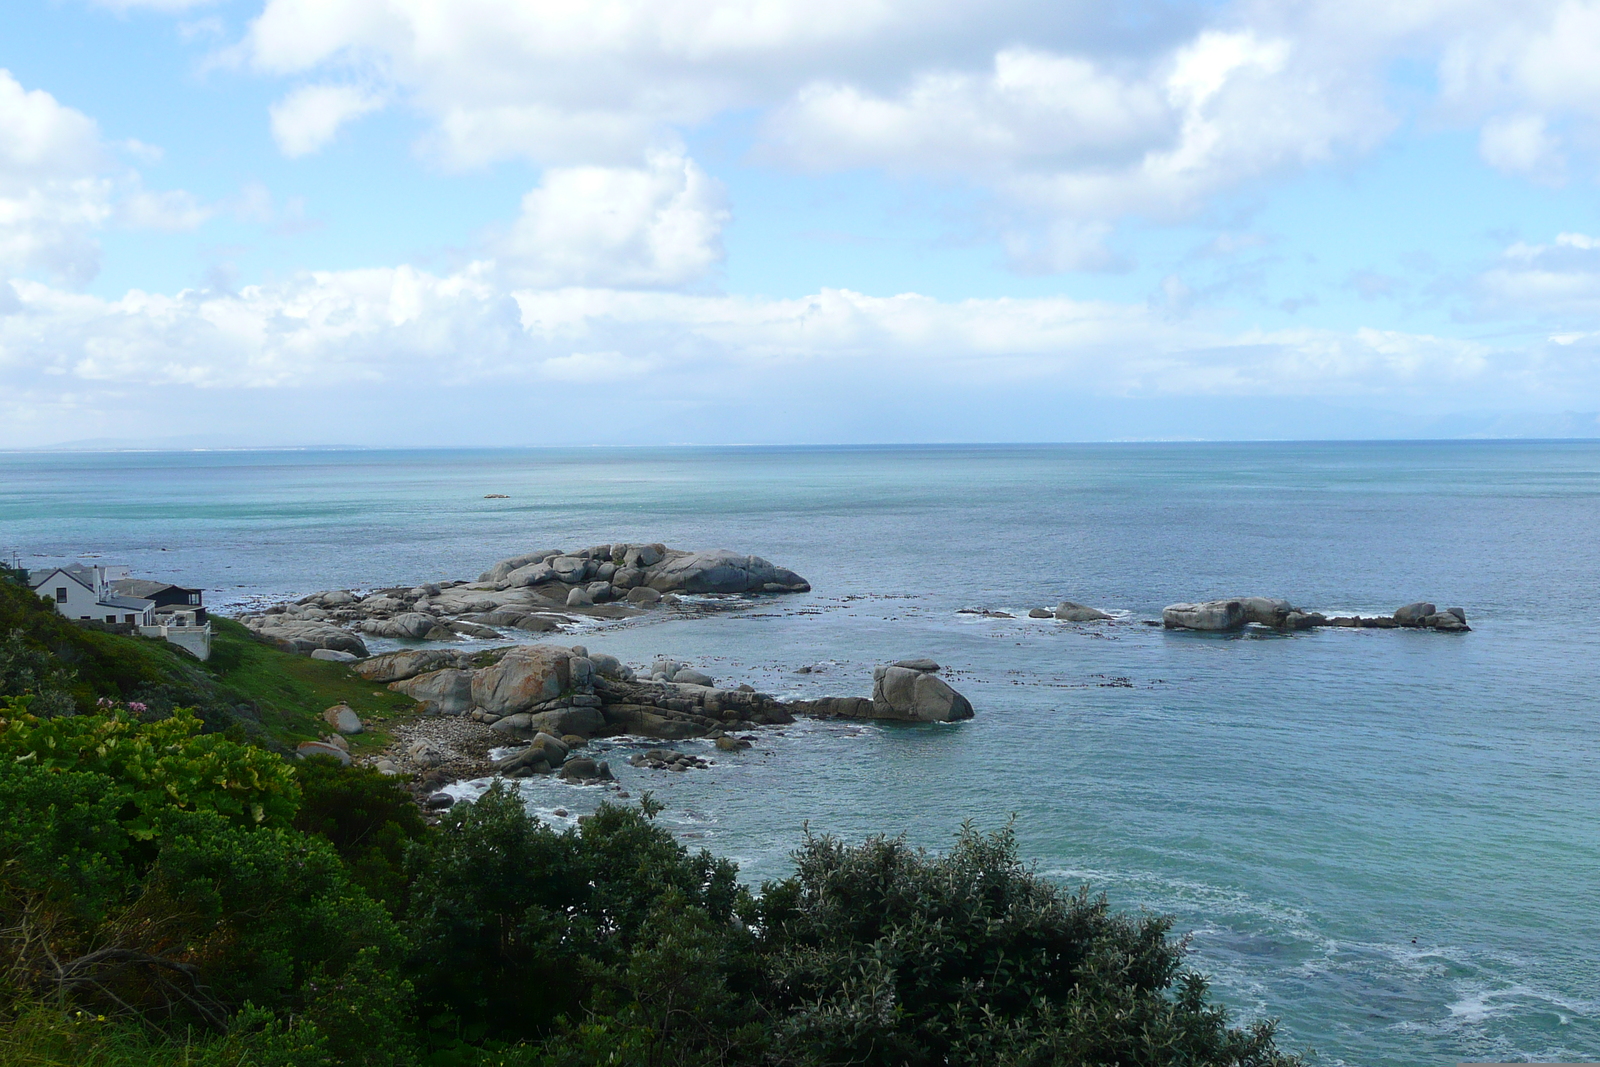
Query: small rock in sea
[440,801]
[560,813]
[496,496]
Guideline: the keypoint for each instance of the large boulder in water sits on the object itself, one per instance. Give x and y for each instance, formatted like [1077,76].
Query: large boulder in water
[915,694]
[722,571]
[1413,614]
[523,678]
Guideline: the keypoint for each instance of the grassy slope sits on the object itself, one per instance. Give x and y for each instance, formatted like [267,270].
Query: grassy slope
[291,691]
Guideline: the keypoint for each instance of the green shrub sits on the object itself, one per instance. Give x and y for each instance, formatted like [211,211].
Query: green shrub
[161,765]
[45,1035]
[368,818]
[515,925]
[884,954]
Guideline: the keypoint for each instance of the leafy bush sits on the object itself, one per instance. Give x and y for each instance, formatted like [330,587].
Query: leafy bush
[160,765]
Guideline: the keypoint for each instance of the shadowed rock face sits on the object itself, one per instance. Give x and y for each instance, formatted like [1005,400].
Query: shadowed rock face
[1214,615]
[442,692]
[721,571]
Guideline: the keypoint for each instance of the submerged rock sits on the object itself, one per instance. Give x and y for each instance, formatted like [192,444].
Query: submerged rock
[1067,611]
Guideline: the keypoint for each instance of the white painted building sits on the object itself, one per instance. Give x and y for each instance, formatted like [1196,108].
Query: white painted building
[102,594]
[86,594]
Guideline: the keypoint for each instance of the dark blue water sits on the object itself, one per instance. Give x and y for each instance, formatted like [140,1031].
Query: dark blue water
[1387,839]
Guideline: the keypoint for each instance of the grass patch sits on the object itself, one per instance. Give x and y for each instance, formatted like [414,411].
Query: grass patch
[291,691]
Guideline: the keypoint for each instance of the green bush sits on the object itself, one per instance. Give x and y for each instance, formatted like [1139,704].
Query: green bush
[368,818]
[161,765]
[45,1035]
[884,954]
[515,925]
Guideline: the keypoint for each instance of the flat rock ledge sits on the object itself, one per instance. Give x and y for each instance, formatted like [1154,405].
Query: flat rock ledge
[1234,614]
[536,592]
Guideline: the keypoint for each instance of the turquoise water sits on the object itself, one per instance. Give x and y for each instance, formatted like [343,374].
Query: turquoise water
[1386,839]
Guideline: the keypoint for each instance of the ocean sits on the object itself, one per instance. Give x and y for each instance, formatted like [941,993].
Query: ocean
[1388,840]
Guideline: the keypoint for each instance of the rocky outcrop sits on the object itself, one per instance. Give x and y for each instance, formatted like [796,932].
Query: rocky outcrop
[1235,614]
[1069,611]
[407,663]
[1212,615]
[305,635]
[527,676]
[537,592]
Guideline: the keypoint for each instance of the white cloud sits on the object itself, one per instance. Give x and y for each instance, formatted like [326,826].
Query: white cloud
[657,225]
[1070,120]
[1559,280]
[1521,144]
[309,118]
[52,192]
[421,340]
[173,211]
[1080,127]
[60,184]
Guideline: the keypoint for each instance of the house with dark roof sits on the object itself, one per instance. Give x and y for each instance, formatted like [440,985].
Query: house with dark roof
[166,597]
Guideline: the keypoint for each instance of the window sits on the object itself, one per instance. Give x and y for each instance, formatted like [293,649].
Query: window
[194,598]
[61,594]
[128,619]
[111,618]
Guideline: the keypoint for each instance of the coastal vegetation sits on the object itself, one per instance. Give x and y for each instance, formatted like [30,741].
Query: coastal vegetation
[173,890]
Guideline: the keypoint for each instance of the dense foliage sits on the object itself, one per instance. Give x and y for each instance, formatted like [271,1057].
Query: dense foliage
[170,894]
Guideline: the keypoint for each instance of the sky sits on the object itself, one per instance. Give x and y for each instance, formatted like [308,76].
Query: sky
[517,222]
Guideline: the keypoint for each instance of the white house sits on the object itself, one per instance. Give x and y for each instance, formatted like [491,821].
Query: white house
[86,594]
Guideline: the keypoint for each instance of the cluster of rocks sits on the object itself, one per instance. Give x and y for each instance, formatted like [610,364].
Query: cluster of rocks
[907,690]
[1067,611]
[1238,612]
[558,691]
[547,754]
[663,759]
[537,592]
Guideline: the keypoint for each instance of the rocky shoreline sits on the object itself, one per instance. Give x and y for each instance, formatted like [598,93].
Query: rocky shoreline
[546,702]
